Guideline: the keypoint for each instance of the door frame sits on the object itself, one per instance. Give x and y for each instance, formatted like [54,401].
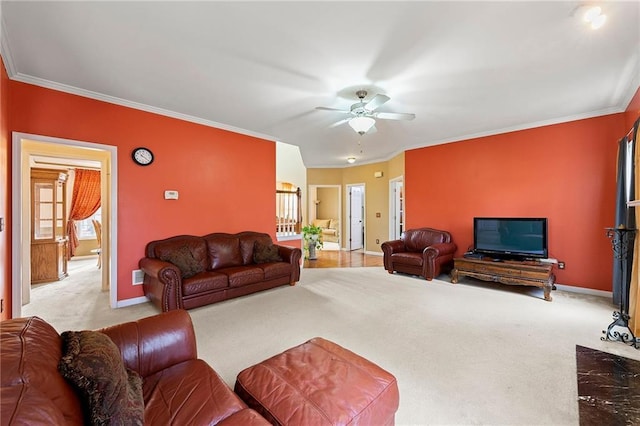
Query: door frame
[393,220]
[23,146]
[311,206]
[364,214]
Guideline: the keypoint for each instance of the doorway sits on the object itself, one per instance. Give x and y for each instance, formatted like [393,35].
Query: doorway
[325,202]
[26,146]
[356,203]
[396,208]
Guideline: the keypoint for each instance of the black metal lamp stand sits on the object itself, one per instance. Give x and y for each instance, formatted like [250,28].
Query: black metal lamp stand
[619,330]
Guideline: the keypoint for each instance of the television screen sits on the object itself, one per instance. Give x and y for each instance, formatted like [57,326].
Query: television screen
[510,237]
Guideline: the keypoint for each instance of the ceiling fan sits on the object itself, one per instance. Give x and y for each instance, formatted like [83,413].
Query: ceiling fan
[364,113]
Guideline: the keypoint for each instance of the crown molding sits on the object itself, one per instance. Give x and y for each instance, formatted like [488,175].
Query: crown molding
[525,126]
[48,84]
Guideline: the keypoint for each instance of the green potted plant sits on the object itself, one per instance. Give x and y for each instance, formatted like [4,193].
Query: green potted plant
[312,236]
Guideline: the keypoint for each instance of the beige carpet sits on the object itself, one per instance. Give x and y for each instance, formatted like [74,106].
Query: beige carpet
[467,354]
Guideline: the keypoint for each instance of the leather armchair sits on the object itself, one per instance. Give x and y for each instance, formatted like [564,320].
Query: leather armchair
[426,252]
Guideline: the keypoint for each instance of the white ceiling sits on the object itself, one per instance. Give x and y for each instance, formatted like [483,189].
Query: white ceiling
[464,68]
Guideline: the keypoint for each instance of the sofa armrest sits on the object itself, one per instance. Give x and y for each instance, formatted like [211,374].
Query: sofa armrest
[154,343]
[162,283]
[441,249]
[393,246]
[388,248]
[291,255]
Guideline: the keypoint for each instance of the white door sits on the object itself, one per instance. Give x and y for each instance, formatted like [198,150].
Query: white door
[356,215]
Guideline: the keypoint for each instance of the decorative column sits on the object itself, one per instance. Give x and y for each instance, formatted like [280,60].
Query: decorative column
[618,330]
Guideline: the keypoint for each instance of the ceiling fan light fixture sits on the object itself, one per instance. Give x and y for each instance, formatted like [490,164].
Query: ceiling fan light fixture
[593,15]
[361,124]
[351,160]
[598,21]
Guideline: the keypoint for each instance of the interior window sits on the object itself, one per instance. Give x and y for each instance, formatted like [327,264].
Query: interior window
[86,231]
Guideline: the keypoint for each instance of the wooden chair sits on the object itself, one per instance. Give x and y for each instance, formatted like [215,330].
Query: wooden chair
[98,228]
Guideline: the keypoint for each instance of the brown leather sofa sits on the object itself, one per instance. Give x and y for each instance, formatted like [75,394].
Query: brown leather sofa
[178,388]
[426,252]
[187,271]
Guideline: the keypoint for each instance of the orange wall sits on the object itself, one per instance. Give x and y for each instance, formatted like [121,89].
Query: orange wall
[5,205]
[226,180]
[564,172]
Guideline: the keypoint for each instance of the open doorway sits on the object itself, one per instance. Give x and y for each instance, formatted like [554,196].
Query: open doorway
[356,209]
[26,147]
[325,210]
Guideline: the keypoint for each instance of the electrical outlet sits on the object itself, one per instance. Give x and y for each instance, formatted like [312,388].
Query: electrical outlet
[560,265]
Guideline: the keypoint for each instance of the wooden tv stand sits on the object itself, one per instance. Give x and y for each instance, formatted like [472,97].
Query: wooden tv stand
[529,273]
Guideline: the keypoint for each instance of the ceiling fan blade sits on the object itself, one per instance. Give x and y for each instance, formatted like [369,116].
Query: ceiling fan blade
[333,109]
[377,101]
[337,123]
[395,116]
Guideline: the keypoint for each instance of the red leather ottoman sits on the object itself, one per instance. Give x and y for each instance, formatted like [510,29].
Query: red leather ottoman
[320,383]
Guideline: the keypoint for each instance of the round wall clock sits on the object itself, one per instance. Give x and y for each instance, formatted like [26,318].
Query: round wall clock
[142,156]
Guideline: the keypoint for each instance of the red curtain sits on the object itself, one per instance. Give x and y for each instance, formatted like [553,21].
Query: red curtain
[85,201]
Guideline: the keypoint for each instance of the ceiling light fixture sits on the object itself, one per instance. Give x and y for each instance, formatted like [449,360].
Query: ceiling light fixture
[361,124]
[351,160]
[593,15]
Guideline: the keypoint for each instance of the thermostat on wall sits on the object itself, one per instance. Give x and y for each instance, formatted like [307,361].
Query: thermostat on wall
[170,195]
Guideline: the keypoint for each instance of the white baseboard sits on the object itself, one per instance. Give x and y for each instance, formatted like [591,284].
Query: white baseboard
[131,302]
[374,253]
[583,290]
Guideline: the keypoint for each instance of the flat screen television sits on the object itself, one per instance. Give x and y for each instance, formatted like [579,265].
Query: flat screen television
[510,237]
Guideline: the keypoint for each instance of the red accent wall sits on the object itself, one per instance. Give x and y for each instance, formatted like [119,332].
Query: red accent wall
[226,181]
[5,194]
[564,172]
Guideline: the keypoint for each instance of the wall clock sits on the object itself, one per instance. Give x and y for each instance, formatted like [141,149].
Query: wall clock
[142,156]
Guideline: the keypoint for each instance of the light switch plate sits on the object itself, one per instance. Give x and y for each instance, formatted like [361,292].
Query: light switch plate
[171,195]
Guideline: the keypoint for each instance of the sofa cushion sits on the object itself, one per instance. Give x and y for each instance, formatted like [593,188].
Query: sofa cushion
[243,275]
[407,258]
[30,350]
[161,248]
[321,223]
[275,269]
[30,406]
[112,394]
[419,239]
[248,240]
[333,224]
[224,250]
[204,282]
[184,259]
[175,395]
[263,253]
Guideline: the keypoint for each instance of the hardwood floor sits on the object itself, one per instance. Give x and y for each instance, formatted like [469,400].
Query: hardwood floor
[343,259]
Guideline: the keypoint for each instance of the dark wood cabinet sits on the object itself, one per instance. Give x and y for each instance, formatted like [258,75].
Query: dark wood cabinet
[528,273]
[48,222]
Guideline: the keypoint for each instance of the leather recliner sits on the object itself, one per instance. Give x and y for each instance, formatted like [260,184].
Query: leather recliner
[426,252]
